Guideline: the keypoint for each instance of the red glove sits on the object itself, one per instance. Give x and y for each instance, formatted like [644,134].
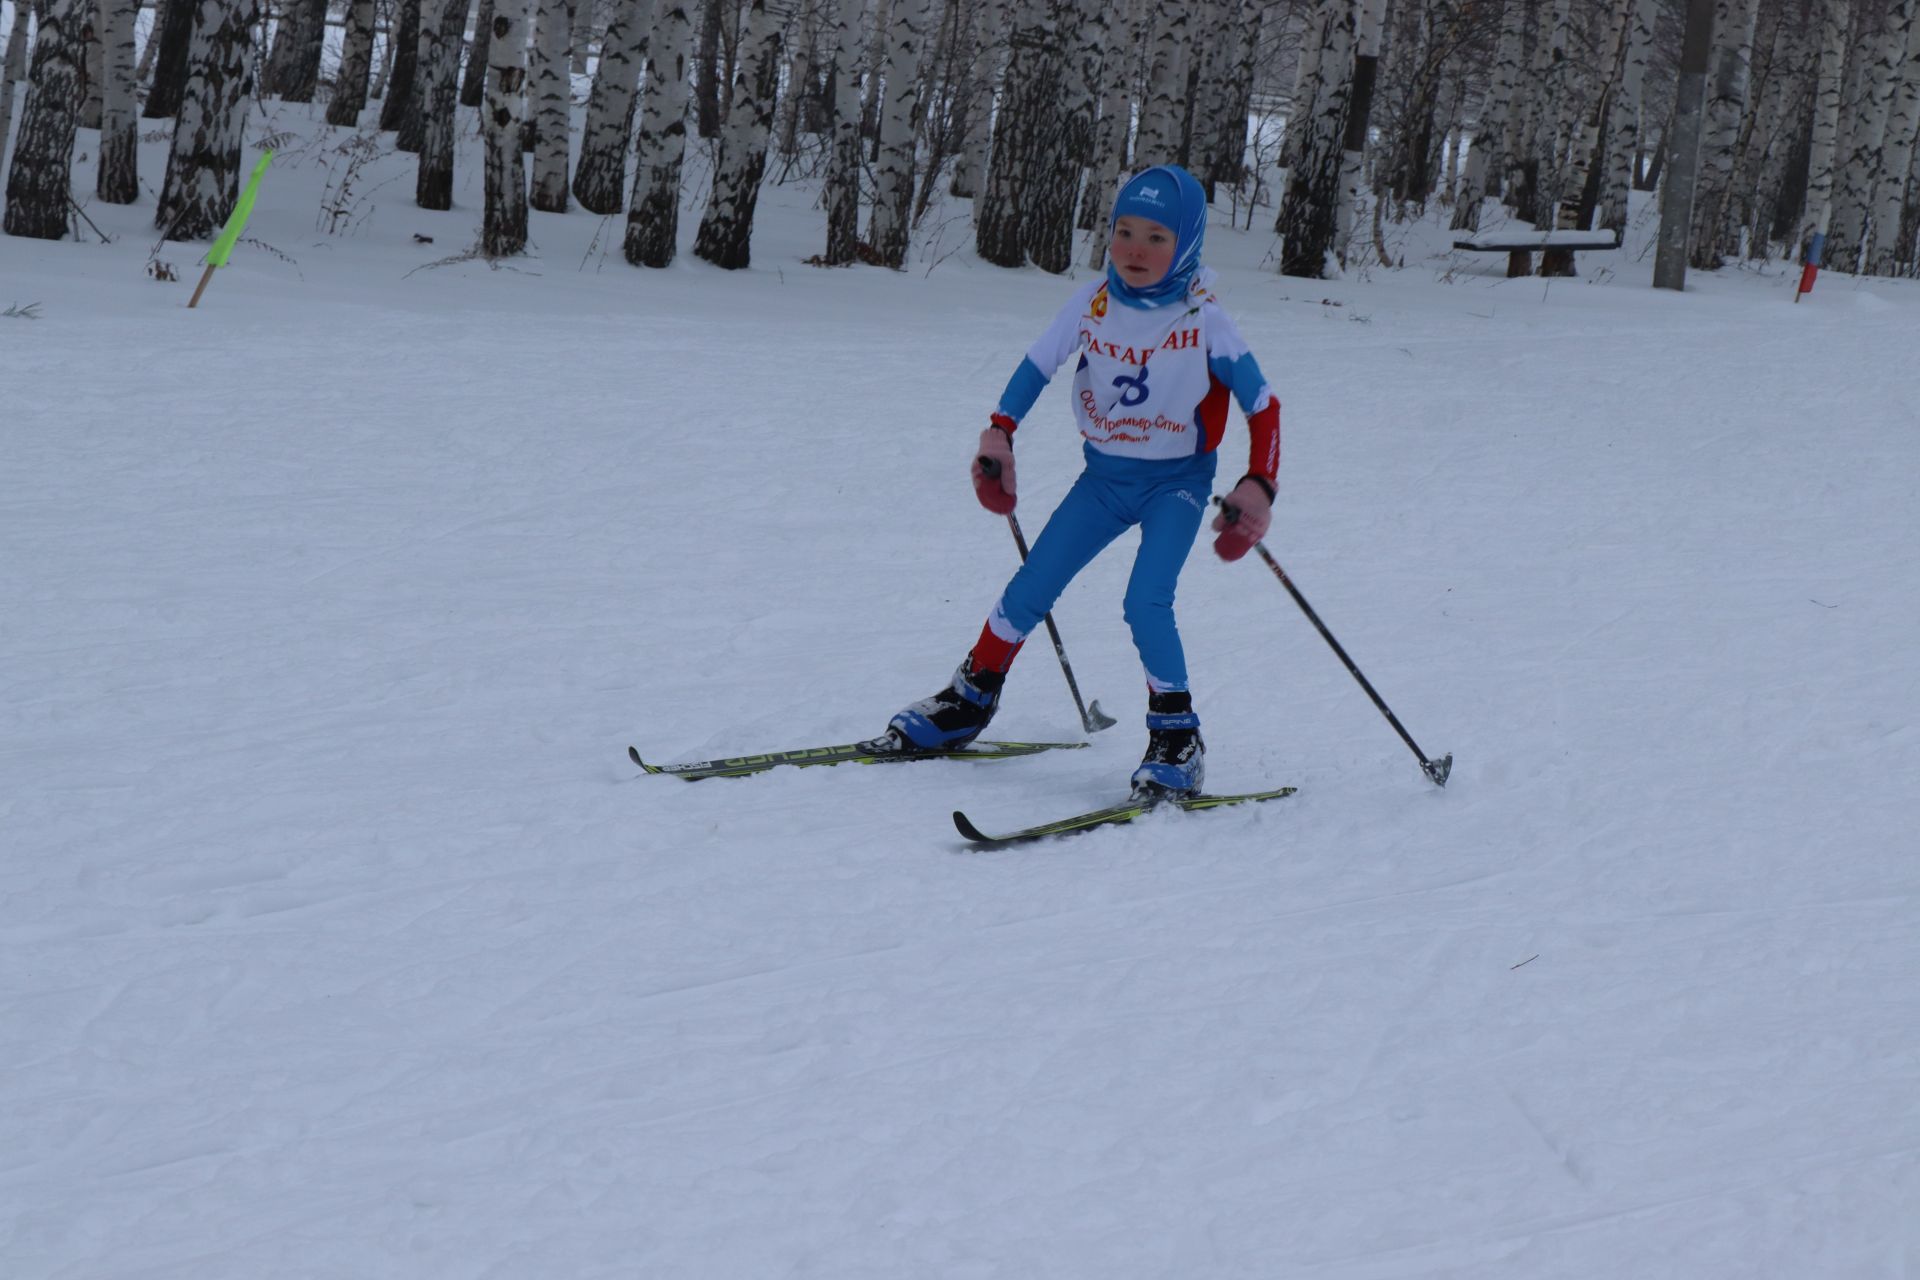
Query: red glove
[1245,516]
[993,471]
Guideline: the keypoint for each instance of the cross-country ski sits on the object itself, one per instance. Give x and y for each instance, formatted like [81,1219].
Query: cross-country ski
[1112,815]
[881,750]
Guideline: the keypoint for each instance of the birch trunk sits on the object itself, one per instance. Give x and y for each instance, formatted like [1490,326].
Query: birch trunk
[473,85]
[1046,224]
[203,168]
[1545,151]
[1113,133]
[503,229]
[706,67]
[1576,180]
[356,67]
[551,96]
[1623,122]
[1163,110]
[1226,160]
[801,53]
[175,34]
[404,55]
[92,104]
[1835,19]
[842,192]
[1353,143]
[39,179]
[13,56]
[725,237]
[1855,184]
[1307,209]
[1484,150]
[983,72]
[439,89]
[1306,84]
[1023,136]
[580,35]
[887,228]
[295,66]
[600,178]
[13,59]
[1733,30]
[653,214]
[1896,160]
[118,180]
[1773,77]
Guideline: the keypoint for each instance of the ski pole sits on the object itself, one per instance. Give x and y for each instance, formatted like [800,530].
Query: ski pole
[1436,770]
[1092,718]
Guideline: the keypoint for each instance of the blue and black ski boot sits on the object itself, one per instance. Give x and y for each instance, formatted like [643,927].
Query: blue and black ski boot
[1175,765]
[952,717]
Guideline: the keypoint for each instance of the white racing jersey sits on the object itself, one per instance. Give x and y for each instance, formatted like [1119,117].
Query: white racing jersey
[1151,383]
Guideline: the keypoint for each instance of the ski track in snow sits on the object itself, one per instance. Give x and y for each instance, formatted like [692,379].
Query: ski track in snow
[342,940]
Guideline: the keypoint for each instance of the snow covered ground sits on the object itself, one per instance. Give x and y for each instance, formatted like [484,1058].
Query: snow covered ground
[341,940]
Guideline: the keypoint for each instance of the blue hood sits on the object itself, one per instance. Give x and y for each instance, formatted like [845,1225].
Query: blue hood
[1174,198]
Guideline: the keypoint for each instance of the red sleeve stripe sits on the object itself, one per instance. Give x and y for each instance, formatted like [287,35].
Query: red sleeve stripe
[1263,430]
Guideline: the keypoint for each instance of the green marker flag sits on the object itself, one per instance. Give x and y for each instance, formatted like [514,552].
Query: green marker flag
[242,210]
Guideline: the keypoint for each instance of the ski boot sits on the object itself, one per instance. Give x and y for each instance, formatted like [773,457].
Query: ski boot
[952,717]
[1175,765]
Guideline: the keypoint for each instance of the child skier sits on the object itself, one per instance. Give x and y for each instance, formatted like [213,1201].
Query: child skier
[1158,360]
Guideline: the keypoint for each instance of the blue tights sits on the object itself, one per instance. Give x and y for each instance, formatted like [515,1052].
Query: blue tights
[1167,499]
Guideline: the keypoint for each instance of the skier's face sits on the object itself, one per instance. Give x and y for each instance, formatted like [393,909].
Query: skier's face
[1142,250]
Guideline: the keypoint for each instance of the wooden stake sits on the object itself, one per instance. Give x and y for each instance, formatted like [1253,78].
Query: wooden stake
[201,288]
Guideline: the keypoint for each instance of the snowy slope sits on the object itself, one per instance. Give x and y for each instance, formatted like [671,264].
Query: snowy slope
[341,940]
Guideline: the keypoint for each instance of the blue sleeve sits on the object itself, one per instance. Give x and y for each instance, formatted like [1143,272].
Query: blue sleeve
[1241,375]
[1023,388]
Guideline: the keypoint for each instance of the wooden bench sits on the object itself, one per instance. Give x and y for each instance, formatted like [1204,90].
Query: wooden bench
[1520,246]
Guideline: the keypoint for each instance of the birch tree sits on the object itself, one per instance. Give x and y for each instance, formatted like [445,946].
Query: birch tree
[38,180]
[1163,110]
[653,214]
[726,230]
[1835,19]
[1024,135]
[887,226]
[503,229]
[203,167]
[580,34]
[842,193]
[296,72]
[1484,151]
[118,179]
[93,65]
[175,35]
[1114,130]
[1046,227]
[443,33]
[356,66]
[403,52]
[1306,221]
[1733,23]
[473,85]
[1535,196]
[983,73]
[600,176]
[1624,122]
[1222,147]
[1575,186]
[1353,140]
[1896,159]
[550,98]
[13,59]
[1854,190]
